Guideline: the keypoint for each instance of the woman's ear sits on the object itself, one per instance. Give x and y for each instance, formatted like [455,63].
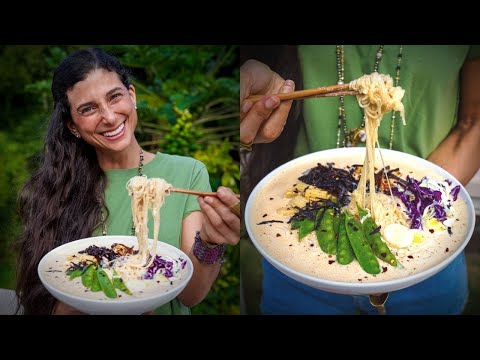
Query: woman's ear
[73,129]
[133,95]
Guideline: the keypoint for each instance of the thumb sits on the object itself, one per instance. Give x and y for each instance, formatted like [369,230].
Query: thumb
[245,84]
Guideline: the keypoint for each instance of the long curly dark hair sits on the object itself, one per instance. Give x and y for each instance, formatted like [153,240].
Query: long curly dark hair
[64,198]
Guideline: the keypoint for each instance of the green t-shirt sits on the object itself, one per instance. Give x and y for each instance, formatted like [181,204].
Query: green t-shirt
[181,172]
[428,74]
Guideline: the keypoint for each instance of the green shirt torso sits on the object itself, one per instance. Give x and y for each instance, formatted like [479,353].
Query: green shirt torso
[428,74]
[181,172]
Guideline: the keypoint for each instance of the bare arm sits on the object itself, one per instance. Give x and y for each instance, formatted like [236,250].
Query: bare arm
[203,274]
[218,225]
[458,152]
[64,309]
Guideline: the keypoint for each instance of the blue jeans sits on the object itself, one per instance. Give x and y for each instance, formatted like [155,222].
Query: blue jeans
[445,293]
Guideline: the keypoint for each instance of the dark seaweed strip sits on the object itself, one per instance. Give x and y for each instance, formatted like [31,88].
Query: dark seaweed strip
[336,181]
[269,221]
[310,210]
[99,252]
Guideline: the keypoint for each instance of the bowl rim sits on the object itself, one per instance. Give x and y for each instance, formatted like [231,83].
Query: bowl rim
[114,238]
[351,287]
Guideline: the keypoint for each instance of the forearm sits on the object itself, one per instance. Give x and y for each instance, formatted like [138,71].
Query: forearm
[64,309]
[204,275]
[458,152]
[208,231]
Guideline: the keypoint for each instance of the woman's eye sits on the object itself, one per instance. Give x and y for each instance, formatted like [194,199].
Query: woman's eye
[88,110]
[116,96]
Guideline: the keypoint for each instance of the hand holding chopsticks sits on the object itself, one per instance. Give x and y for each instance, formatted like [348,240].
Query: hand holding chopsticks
[324,91]
[266,100]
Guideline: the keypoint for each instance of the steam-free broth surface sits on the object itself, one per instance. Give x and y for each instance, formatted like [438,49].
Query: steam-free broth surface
[53,271]
[305,256]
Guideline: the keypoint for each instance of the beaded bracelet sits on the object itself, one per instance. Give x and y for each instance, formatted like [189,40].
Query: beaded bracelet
[206,253]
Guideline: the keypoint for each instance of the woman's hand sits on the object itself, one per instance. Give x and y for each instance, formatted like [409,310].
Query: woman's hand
[64,309]
[263,121]
[220,224]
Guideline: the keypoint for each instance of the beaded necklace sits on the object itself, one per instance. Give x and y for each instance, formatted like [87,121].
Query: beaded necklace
[140,173]
[353,136]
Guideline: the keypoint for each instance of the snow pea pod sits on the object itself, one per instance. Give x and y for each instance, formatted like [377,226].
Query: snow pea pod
[106,284]
[336,223]
[379,247]
[95,283]
[75,273]
[318,218]
[363,252]
[306,227]
[295,224]
[345,254]
[326,233]
[87,276]
[119,283]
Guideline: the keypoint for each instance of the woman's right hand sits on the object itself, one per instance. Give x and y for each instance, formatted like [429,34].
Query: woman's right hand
[263,121]
[64,309]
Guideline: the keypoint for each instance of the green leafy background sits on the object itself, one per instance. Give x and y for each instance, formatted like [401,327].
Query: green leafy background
[187,99]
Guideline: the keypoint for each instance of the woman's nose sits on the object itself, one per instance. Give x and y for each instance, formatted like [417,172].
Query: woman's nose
[108,115]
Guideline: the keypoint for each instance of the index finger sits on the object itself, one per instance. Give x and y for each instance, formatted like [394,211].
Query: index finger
[265,129]
[227,196]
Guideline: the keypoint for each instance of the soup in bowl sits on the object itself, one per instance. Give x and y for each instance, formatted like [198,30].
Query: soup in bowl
[72,274]
[286,219]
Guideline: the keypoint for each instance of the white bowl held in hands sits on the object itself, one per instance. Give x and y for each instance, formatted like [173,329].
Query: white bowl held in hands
[254,211]
[82,299]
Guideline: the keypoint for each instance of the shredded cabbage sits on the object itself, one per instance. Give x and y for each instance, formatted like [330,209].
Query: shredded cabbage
[164,266]
[425,199]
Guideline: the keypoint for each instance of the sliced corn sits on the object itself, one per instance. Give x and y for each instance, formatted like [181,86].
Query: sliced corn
[315,194]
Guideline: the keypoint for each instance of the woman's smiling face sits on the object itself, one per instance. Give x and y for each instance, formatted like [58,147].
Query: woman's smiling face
[103,111]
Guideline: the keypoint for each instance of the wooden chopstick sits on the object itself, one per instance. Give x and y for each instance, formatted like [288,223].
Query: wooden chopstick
[198,193]
[324,91]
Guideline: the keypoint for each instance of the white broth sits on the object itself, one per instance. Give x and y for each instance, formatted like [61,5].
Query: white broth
[306,257]
[54,273]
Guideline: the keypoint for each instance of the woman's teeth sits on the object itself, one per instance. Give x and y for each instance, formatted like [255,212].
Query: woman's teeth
[114,132]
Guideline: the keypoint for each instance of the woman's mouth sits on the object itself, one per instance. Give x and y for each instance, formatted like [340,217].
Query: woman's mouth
[115,134]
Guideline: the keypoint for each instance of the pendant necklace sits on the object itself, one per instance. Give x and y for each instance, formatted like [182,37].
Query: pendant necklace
[140,173]
[353,136]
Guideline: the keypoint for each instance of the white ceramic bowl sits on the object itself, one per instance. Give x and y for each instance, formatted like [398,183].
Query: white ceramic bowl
[124,305]
[353,288]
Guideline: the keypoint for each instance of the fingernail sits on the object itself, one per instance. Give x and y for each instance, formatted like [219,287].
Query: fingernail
[246,106]
[200,200]
[208,200]
[272,102]
[289,86]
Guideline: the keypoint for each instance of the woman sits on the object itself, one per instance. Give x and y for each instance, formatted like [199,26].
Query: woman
[80,188]
[440,128]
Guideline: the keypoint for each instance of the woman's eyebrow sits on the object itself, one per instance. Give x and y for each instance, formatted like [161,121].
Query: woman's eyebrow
[113,90]
[106,95]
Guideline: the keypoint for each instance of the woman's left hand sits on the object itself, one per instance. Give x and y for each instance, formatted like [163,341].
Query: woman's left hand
[220,224]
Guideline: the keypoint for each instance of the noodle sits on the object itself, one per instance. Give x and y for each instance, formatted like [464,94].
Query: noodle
[146,194]
[122,263]
[377,95]
[386,210]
